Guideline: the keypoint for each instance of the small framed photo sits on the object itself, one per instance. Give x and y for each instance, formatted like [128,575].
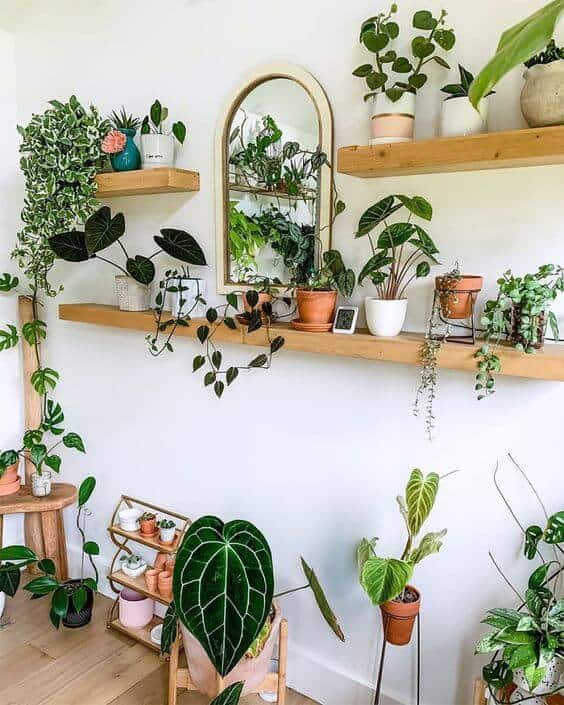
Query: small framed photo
[345,319]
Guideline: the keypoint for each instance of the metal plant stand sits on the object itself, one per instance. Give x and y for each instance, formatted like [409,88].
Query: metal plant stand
[382,660]
[468,338]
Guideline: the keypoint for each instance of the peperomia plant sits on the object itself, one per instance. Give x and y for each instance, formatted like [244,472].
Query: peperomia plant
[376,34]
[520,314]
[390,268]
[154,123]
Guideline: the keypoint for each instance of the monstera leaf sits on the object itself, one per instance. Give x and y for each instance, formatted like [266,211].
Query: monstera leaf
[384,578]
[554,532]
[322,602]
[420,495]
[223,586]
[230,696]
[70,246]
[101,230]
[181,245]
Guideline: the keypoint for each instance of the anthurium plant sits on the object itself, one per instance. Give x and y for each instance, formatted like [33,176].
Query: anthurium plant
[385,579]
[153,123]
[377,34]
[403,251]
[232,565]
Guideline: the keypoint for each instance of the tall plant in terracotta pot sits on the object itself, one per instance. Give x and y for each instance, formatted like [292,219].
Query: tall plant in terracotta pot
[386,580]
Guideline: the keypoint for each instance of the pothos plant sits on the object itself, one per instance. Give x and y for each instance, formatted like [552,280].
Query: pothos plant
[377,33]
[233,607]
[519,314]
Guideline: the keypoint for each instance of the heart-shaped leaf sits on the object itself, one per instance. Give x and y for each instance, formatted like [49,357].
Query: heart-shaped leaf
[101,230]
[85,491]
[420,495]
[374,42]
[223,586]
[385,578]
[141,269]
[395,235]
[70,246]
[445,38]
[9,579]
[423,19]
[181,245]
[230,696]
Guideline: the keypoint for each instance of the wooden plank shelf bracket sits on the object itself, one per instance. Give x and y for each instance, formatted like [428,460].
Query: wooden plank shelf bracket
[141,182]
[493,150]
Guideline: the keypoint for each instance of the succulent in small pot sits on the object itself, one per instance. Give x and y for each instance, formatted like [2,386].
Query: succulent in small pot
[458,115]
[133,565]
[157,146]
[542,97]
[167,531]
[148,522]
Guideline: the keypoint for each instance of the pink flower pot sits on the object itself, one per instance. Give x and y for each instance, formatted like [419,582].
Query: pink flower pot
[135,610]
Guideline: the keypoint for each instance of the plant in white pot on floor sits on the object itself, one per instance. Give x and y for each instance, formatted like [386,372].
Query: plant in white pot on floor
[402,252]
[157,146]
[458,115]
[393,112]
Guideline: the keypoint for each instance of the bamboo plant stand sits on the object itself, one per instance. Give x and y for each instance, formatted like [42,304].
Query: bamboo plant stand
[179,678]
[118,579]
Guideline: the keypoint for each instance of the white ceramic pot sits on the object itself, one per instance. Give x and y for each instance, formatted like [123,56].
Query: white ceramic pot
[167,535]
[392,121]
[134,572]
[551,680]
[41,484]
[542,97]
[385,318]
[131,295]
[129,519]
[459,118]
[157,151]
[181,303]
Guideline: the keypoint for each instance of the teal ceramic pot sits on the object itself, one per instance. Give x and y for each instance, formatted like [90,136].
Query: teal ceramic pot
[130,158]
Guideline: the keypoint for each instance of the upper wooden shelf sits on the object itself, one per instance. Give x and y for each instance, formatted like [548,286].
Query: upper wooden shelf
[141,182]
[406,348]
[494,150]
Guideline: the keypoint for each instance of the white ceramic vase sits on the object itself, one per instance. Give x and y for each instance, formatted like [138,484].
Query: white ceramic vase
[41,484]
[385,317]
[157,151]
[181,303]
[459,118]
[542,97]
[167,535]
[551,680]
[131,295]
[392,121]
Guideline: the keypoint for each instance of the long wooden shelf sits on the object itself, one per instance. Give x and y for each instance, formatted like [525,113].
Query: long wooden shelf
[406,348]
[138,584]
[141,182]
[494,150]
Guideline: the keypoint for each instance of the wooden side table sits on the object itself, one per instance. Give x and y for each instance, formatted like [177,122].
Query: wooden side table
[50,512]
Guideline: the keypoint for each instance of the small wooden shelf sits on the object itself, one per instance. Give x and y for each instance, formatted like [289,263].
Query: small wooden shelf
[143,634]
[138,584]
[494,150]
[547,364]
[153,542]
[141,182]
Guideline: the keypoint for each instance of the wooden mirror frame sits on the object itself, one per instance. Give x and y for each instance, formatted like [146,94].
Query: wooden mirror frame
[325,120]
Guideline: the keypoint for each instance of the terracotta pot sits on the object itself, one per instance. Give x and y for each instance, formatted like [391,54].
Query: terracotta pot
[250,670]
[10,481]
[316,306]
[398,619]
[151,579]
[458,304]
[165,584]
[160,561]
[149,526]
[169,564]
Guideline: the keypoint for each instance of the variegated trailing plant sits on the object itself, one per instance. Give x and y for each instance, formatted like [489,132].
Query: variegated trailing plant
[223,590]
[526,641]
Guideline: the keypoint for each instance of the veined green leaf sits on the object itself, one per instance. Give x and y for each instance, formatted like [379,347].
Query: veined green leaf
[322,602]
[420,496]
[385,578]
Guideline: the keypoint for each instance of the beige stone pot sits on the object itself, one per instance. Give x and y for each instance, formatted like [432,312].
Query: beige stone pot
[250,670]
[542,97]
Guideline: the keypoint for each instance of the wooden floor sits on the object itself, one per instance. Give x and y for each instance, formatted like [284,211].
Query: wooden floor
[92,666]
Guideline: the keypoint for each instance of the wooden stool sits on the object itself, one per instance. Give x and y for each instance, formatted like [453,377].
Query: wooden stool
[49,510]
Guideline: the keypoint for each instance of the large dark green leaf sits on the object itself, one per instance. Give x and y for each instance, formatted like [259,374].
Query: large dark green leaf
[374,264]
[384,578]
[181,245]
[230,696]
[70,246]
[395,235]
[101,230]
[377,213]
[322,602]
[554,532]
[141,269]
[223,586]
[60,602]
[9,579]
[42,585]
[85,491]
[17,553]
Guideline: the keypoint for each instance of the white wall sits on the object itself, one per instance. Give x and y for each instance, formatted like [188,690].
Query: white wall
[315,450]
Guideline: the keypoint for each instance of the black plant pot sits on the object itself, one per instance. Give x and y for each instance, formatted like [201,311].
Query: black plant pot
[75,619]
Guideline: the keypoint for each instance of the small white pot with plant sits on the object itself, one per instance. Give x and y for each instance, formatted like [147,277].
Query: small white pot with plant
[459,118]
[133,565]
[183,294]
[402,252]
[157,146]
[167,531]
[393,113]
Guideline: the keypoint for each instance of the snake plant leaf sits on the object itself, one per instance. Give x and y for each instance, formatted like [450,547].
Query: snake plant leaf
[385,578]
[322,602]
[170,629]
[230,696]
[420,495]
[70,246]
[554,532]
[101,230]
[364,551]
[376,214]
[223,585]
[517,45]
[430,543]
[181,245]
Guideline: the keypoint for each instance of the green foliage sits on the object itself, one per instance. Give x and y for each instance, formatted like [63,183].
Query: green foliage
[460,90]
[378,32]
[34,331]
[8,338]
[516,46]
[8,282]
[420,496]
[550,54]
[230,696]
[44,379]
[322,602]
[170,629]
[122,121]
[385,578]
[332,274]
[154,122]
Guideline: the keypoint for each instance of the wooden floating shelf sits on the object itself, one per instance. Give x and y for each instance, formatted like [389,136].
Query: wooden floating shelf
[138,584]
[150,542]
[143,634]
[406,348]
[494,150]
[141,182]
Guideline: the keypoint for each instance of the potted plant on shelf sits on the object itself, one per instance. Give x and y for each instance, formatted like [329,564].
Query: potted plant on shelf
[148,524]
[184,293]
[157,146]
[133,565]
[542,101]
[102,230]
[393,111]
[390,268]
[520,315]
[9,478]
[458,116]
[386,580]
[124,155]
[233,565]
[71,600]
[167,531]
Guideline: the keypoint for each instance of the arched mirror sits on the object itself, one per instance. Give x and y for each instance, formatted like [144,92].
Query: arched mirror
[274,147]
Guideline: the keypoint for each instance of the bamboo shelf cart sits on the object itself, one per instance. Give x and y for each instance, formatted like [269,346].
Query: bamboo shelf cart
[118,579]
[141,182]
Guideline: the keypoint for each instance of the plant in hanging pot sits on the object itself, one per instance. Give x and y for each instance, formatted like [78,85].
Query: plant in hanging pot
[542,97]
[393,113]
[119,142]
[458,115]
[157,147]
[386,580]
[71,600]
[404,251]
[229,623]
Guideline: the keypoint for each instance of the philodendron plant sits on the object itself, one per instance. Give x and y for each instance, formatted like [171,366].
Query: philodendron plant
[223,591]
[154,123]
[376,34]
